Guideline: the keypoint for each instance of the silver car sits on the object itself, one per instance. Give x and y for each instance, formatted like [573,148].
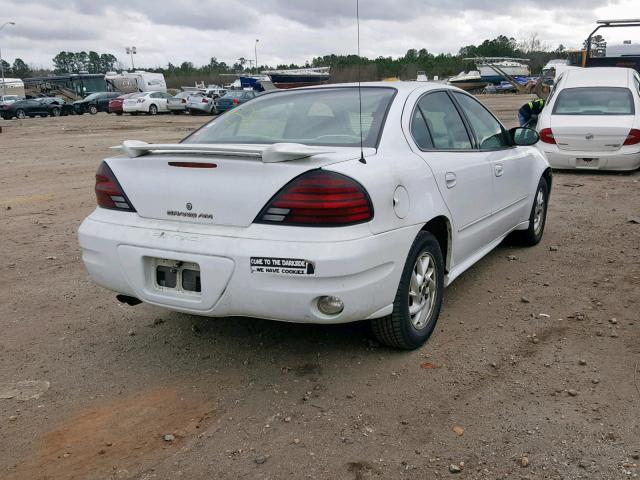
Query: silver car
[178,103]
[199,102]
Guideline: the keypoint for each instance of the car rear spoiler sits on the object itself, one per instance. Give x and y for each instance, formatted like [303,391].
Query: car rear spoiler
[277,152]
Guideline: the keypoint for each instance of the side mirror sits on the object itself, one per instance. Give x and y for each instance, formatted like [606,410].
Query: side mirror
[523,136]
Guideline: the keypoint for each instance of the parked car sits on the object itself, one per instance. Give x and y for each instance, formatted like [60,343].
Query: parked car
[147,102]
[200,102]
[23,109]
[94,103]
[115,104]
[56,106]
[178,103]
[9,98]
[592,120]
[288,218]
[234,98]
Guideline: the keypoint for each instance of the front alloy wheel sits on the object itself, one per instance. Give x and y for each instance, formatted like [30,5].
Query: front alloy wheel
[153,109]
[538,216]
[20,114]
[418,299]
[93,109]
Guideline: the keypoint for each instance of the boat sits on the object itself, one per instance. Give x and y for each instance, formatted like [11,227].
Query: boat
[492,68]
[470,80]
[299,77]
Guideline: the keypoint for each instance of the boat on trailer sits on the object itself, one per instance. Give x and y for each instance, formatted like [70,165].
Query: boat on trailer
[298,77]
[471,80]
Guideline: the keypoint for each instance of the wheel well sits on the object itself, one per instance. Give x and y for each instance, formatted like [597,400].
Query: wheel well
[548,177]
[440,228]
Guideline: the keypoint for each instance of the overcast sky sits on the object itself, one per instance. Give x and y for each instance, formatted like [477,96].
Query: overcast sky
[289,30]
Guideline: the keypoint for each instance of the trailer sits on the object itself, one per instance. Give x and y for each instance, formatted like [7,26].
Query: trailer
[138,81]
[12,86]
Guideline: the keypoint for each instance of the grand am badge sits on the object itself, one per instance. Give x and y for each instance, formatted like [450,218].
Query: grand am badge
[281,266]
[189,213]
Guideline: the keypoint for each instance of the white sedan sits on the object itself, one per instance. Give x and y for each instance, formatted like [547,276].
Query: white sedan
[147,102]
[592,120]
[295,207]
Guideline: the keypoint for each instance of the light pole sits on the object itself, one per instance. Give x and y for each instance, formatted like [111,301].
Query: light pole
[255,51]
[4,85]
[131,51]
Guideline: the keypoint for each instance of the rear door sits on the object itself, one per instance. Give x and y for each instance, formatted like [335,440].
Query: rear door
[512,167]
[463,174]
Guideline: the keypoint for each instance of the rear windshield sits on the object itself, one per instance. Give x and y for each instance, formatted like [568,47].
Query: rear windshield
[236,94]
[324,116]
[594,101]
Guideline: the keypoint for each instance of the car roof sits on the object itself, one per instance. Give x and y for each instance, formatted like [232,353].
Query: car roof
[404,88]
[598,77]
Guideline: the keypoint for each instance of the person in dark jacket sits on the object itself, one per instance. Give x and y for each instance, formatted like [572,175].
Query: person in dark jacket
[529,109]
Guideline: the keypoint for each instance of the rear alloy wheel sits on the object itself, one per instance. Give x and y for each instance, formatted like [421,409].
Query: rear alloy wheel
[20,114]
[55,112]
[537,218]
[418,299]
[153,109]
[93,109]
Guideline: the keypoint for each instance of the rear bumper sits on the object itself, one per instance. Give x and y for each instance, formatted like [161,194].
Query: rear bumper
[363,272]
[199,107]
[625,159]
[180,107]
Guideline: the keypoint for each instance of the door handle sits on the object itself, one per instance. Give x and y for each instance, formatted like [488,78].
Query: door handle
[498,169]
[450,179]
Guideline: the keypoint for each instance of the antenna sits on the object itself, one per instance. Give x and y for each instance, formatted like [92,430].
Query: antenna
[362,160]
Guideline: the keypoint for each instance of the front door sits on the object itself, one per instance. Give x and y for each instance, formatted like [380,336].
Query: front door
[511,166]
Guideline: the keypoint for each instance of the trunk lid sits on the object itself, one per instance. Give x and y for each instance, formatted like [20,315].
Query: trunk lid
[231,194]
[591,133]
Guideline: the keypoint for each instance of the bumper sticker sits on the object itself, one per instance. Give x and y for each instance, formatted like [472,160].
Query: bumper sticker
[281,266]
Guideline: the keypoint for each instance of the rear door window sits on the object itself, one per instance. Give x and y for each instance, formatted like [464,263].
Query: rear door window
[444,122]
[594,101]
[419,131]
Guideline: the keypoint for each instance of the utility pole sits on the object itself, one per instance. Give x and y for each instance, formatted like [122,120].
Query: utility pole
[131,51]
[4,85]
[255,51]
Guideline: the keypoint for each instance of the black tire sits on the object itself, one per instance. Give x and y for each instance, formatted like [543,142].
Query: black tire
[398,329]
[20,114]
[153,110]
[533,234]
[93,109]
[55,112]
[119,114]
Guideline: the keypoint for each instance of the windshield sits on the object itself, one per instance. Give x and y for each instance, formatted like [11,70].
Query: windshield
[324,116]
[93,96]
[183,94]
[594,101]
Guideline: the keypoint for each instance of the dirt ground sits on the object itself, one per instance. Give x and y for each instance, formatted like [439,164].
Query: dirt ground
[532,372]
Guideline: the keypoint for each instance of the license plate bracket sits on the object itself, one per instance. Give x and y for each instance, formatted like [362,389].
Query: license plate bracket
[176,275]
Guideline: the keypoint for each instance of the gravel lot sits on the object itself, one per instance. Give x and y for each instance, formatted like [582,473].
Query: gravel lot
[531,373]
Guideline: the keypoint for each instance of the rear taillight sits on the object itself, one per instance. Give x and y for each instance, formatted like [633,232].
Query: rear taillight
[546,135]
[109,193]
[236,101]
[633,138]
[204,100]
[184,100]
[318,199]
